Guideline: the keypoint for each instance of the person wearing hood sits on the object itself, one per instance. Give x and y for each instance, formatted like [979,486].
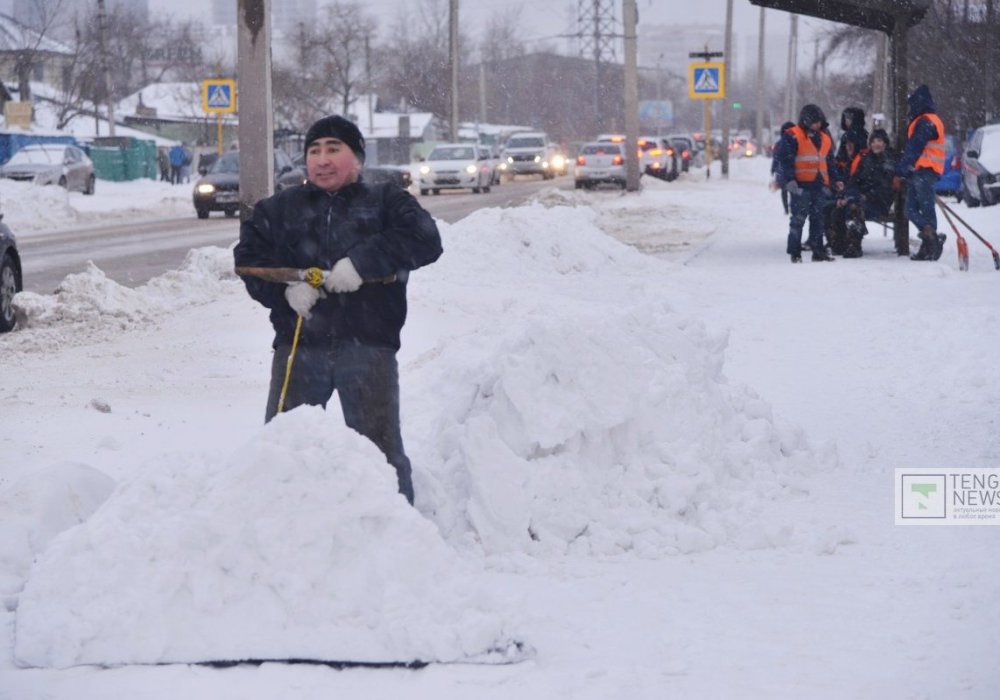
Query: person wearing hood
[919,167]
[342,324]
[774,168]
[805,165]
[853,138]
[868,196]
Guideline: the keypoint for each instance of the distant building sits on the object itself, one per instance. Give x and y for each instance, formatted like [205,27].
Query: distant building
[51,60]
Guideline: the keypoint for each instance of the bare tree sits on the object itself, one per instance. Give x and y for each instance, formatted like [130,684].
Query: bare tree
[32,41]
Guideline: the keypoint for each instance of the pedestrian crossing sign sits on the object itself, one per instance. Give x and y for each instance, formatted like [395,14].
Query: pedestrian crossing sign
[218,95]
[706,80]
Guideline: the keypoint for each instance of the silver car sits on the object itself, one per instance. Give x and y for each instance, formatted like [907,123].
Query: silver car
[52,164]
[601,162]
[456,166]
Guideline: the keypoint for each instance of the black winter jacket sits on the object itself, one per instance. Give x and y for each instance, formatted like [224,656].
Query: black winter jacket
[380,227]
[873,179]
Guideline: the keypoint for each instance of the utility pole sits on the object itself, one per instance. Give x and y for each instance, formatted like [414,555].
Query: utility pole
[792,89]
[629,21]
[726,102]
[453,62]
[759,126]
[989,65]
[105,68]
[256,123]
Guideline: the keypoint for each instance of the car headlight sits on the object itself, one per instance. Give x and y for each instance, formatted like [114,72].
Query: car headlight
[538,159]
[425,170]
[205,188]
[510,159]
[558,162]
[471,169]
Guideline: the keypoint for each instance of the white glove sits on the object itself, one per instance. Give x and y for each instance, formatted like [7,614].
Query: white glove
[343,277]
[792,188]
[301,297]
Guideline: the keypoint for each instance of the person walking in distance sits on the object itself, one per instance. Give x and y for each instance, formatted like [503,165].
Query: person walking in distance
[366,238]
[919,168]
[804,157]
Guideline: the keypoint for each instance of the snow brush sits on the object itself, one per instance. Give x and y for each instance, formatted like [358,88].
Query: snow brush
[948,210]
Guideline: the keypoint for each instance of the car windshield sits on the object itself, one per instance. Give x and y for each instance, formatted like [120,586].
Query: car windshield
[452,153]
[227,163]
[37,155]
[526,142]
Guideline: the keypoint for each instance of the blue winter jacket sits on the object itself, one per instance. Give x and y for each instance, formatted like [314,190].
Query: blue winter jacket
[380,227]
[920,102]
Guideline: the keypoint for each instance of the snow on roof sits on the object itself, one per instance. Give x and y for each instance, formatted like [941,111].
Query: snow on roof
[15,36]
[181,101]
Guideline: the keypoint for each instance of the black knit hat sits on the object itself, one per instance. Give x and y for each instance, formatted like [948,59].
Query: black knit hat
[811,114]
[336,127]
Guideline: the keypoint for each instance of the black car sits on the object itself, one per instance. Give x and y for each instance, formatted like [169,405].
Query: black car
[981,167]
[219,189]
[398,174]
[11,281]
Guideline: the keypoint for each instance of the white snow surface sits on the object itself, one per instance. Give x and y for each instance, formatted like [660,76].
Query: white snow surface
[646,449]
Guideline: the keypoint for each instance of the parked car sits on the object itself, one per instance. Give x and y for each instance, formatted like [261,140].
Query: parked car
[528,153]
[52,164]
[981,167]
[456,166]
[219,188]
[11,281]
[600,162]
[950,182]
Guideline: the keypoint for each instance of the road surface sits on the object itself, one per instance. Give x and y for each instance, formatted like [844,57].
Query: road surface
[131,254]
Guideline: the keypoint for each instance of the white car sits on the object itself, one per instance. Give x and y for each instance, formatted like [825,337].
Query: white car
[52,164]
[599,163]
[457,166]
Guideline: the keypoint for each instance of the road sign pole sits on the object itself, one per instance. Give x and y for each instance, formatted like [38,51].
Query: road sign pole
[708,139]
[218,121]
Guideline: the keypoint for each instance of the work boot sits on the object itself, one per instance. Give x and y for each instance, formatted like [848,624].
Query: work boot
[796,258]
[820,255]
[937,246]
[931,244]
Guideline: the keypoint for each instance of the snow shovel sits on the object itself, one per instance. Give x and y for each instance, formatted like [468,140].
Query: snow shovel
[948,210]
[314,277]
[963,247]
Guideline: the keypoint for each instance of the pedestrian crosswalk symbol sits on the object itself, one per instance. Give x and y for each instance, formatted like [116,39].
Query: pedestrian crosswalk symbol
[706,80]
[218,95]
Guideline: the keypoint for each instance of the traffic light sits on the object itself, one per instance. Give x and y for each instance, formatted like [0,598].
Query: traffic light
[737,105]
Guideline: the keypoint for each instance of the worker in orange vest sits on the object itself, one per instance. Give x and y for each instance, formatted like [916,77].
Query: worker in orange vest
[920,166]
[805,170]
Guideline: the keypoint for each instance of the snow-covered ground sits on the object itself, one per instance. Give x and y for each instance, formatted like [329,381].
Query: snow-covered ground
[662,469]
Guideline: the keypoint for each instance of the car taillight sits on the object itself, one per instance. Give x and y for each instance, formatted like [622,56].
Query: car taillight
[580,160]
[670,151]
[686,153]
[617,160]
[956,163]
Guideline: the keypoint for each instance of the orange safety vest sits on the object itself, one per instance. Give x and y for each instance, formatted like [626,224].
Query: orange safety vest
[933,155]
[857,161]
[810,162]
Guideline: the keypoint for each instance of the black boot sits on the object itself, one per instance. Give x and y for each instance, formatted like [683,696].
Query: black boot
[937,245]
[820,255]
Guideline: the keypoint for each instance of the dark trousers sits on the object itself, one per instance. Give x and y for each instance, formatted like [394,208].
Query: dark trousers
[809,203]
[920,198]
[365,378]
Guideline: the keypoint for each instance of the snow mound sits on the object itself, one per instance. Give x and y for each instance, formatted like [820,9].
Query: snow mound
[605,434]
[297,547]
[35,509]
[89,303]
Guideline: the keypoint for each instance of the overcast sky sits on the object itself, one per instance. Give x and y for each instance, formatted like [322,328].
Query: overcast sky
[547,18]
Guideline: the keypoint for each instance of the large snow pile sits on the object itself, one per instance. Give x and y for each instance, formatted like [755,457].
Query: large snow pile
[297,547]
[585,417]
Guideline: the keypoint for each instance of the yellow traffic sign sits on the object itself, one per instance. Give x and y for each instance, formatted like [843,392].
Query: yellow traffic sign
[706,80]
[218,95]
